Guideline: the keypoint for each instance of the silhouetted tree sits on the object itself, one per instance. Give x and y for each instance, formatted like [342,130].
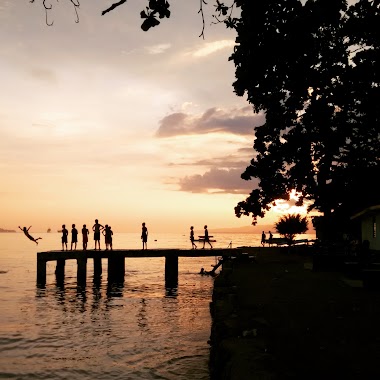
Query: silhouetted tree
[313,70]
[291,225]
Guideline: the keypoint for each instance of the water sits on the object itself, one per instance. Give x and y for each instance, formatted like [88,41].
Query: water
[134,330]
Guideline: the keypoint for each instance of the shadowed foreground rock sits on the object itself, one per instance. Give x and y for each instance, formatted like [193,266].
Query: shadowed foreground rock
[276,318]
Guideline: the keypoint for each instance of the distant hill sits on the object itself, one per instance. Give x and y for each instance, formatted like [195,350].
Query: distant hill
[3,230]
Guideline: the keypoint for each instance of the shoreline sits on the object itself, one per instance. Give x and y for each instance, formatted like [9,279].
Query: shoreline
[273,317]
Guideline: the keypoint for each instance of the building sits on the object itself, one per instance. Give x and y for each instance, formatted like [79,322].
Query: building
[369,219]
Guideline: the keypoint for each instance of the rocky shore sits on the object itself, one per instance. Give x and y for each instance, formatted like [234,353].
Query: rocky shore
[274,317]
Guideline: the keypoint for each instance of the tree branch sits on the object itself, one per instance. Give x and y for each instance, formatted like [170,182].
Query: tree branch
[113,6]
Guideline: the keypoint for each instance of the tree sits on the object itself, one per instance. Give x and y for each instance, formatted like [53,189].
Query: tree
[157,9]
[314,70]
[291,225]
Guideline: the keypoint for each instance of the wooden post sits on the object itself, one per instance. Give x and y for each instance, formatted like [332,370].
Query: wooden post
[81,270]
[41,272]
[60,269]
[97,266]
[116,268]
[171,271]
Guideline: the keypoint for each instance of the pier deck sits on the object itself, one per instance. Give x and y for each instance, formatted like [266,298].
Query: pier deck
[116,261]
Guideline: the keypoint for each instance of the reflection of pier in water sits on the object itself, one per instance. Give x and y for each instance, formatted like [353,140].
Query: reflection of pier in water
[116,262]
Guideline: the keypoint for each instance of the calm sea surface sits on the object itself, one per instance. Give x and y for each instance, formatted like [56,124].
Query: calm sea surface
[135,330]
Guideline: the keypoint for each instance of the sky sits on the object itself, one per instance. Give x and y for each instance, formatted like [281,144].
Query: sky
[99,119]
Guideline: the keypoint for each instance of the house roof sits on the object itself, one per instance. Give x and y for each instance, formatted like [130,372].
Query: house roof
[369,210]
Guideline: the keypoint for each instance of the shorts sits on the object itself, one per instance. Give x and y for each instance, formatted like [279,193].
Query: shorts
[96,235]
[64,239]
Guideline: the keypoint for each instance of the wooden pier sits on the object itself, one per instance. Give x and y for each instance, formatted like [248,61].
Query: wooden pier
[116,261]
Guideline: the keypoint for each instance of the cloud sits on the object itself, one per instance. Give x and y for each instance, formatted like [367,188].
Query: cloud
[239,121]
[223,181]
[157,49]
[44,75]
[229,162]
[211,48]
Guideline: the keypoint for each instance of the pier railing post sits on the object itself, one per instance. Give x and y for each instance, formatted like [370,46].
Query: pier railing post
[60,270]
[116,268]
[82,270]
[41,272]
[97,266]
[171,271]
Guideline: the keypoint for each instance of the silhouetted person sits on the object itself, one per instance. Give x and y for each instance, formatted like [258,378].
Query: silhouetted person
[97,227]
[206,238]
[107,232]
[144,236]
[74,237]
[110,233]
[270,238]
[193,246]
[30,237]
[65,232]
[263,237]
[85,233]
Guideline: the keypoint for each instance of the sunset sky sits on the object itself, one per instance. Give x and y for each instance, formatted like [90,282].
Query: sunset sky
[99,119]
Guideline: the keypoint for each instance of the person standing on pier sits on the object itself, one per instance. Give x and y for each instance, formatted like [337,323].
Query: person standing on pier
[26,232]
[206,238]
[144,236]
[270,238]
[193,246]
[85,233]
[65,232]
[107,232]
[74,237]
[97,227]
[263,237]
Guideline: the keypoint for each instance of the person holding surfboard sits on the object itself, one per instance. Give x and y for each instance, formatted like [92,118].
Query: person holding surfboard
[206,238]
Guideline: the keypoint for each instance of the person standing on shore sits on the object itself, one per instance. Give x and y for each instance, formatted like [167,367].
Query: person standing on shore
[26,232]
[65,232]
[74,237]
[144,236]
[85,233]
[263,237]
[193,246]
[206,238]
[97,227]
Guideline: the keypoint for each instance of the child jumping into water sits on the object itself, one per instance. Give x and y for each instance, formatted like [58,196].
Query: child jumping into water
[26,232]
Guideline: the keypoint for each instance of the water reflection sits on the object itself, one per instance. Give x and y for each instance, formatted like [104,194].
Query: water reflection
[171,292]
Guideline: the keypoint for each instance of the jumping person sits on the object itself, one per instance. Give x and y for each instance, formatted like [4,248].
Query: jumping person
[193,246]
[26,232]
[97,227]
[144,236]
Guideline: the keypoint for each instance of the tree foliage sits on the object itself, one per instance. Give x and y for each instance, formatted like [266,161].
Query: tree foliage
[291,225]
[313,70]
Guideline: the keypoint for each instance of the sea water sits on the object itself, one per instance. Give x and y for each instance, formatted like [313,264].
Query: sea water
[131,330]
